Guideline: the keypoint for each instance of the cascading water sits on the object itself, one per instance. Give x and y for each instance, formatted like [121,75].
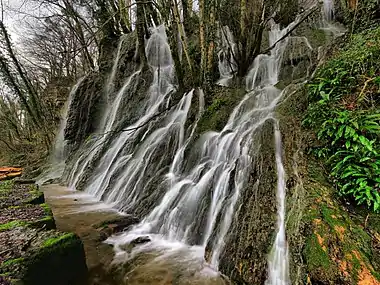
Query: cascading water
[226,55]
[185,216]
[58,157]
[328,15]
[328,10]
[189,213]
[279,258]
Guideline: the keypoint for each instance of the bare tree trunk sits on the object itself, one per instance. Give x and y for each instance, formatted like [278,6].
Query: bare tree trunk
[182,35]
[28,85]
[202,38]
[140,27]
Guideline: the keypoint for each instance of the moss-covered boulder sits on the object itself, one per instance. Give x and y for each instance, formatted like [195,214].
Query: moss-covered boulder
[42,257]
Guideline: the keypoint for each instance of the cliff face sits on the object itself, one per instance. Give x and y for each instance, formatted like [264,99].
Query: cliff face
[329,241]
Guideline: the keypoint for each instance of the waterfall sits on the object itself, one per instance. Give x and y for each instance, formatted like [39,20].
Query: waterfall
[58,156]
[186,207]
[328,16]
[328,10]
[193,203]
[279,258]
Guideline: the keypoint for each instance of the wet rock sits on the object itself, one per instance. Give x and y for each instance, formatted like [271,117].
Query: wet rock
[42,257]
[24,181]
[141,240]
[52,181]
[110,227]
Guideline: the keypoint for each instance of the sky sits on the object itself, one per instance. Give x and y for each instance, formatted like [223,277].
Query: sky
[17,15]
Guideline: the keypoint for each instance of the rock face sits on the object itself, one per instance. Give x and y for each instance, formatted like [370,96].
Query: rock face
[328,244]
[245,257]
[31,250]
[83,115]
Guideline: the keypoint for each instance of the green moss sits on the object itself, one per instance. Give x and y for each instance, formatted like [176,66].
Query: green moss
[46,223]
[218,112]
[33,188]
[316,256]
[14,207]
[11,225]
[317,38]
[6,185]
[363,240]
[330,216]
[60,239]
[12,262]
[37,197]
[47,209]
[60,258]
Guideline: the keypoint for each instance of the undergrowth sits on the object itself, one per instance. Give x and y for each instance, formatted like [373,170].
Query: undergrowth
[344,113]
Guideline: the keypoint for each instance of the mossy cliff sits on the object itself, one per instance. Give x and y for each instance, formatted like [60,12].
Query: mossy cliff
[31,250]
[330,242]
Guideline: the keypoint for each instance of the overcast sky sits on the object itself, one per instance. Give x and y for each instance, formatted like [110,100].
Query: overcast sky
[16,16]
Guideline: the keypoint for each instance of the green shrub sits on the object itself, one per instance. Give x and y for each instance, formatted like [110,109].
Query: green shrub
[343,111]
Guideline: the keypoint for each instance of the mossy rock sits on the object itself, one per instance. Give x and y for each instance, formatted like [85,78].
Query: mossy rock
[337,250]
[60,260]
[218,111]
[52,258]
[329,243]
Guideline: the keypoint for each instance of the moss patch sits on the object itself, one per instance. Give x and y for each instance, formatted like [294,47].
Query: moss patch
[58,257]
[61,258]
[330,243]
[6,186]
[11,225]
[56,240]
[219,109]
[336,249]
[317,256]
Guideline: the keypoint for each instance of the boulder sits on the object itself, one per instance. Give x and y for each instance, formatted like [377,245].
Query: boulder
[110,227]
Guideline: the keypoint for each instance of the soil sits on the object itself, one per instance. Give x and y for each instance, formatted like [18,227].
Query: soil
[18,195]
[29,213]
[14,243]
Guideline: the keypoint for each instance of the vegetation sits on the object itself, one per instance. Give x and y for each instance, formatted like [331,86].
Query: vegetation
[344,112]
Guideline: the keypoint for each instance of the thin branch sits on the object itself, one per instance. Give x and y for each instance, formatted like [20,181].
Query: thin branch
[311,10]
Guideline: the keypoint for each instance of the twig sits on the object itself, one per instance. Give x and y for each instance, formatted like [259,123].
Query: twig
[366,220]
[363,89]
